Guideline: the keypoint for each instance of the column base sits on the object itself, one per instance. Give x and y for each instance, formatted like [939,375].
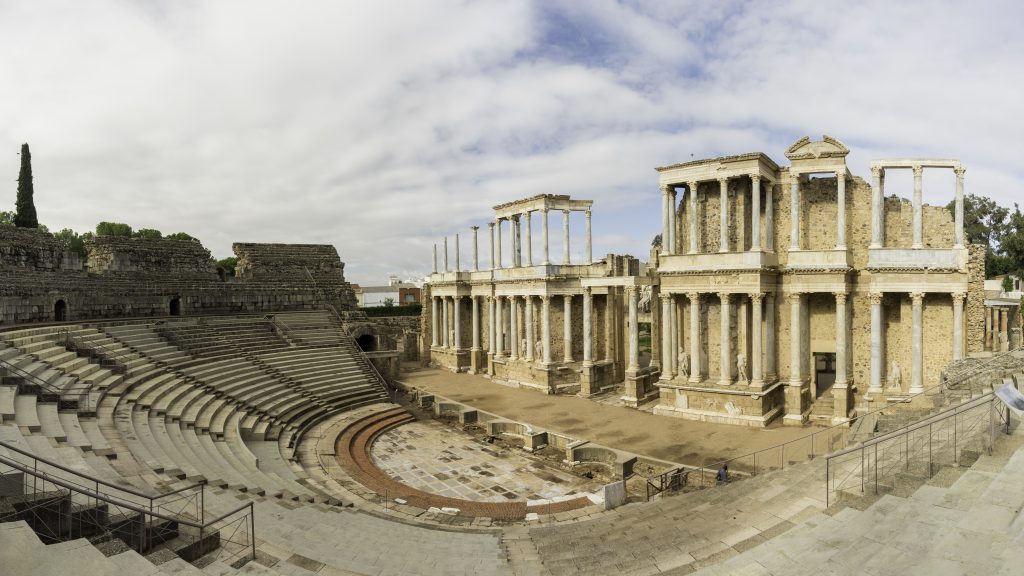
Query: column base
[724,382]
[915,390]
[756,384]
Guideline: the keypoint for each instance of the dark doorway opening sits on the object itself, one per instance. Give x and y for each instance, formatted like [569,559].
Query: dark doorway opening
[175,306]
[824,373]
[60,311]
[367,343]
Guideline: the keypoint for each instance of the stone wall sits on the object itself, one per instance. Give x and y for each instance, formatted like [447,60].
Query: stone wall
[400,333]
[974,307]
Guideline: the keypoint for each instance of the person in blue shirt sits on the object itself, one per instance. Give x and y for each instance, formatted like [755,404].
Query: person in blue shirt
[723,474]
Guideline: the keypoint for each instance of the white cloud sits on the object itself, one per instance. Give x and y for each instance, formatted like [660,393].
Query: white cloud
[379,127]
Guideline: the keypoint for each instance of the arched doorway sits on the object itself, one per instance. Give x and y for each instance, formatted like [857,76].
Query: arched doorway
[367,342]
[60,311]
[175,306]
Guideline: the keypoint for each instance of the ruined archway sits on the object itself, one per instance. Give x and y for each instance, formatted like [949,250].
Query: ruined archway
[175,307]
[60,311]
[367,342]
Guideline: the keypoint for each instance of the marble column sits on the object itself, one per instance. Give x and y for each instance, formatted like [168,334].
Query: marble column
[794,212]
[958,219]
[1004,334]
[529,238]
[513,322]
[664,221]
[494,259]
[666,339]
[988,329]
[457,323]
[567,328]
[756,352]
[692,213]
[444,323]
[695,343]
[673,338]
[499,327]
[565,237]
[435,323]
[673,245]
[512,247]
[755,213]
[877,369]
[458,262]
[588,247]
[528,320]
[723,214]
[588,327]
[497,246]
[434,271]
[446,254]
[877,207]
[771,372]
[769,217]
[491,323]
[476,249]
[634,333]
[918,209]
[545,321]
[475,301]
[958,325]
[544,224]
[841,210]
[842,332]
[725,336]
[916,343]
[796,377]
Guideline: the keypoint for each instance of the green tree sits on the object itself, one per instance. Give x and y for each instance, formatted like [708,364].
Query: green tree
[180,236]
[25,206]
[1012,246]
[113,229]
[985,223]
[72,241]
[148,233]
[389,302]
[6,218]
[1007,284]
[656,243]
[228,264]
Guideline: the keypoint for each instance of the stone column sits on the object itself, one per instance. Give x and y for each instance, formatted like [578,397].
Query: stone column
[958,219]
[513,327]
[673,246]
[475,301]
[918,216]
[725,336]
[444,323]
[499,327]
[491,322]
[458,262]
[771,373]
[545,321]
[588,327]
[666,339]
[634,332]
[494,259]
[567,327]
[434,271]
[877,208]
[588,247]
[435,321]
[723,214]
[842,330]
[692,213]
[528,320]
[756,353]
[769,217]
[664,220]
[917,344]
[794,212]
[1004,334]
[565,237]
[841,210]
[513,249]
[457,323]
[796,377]
[476,249]
[529,238]
[988,329]
[958,325]
[673,342]
[875,386]
[497,251]
[446,254]
[695,343]
[755,216]
[544,223]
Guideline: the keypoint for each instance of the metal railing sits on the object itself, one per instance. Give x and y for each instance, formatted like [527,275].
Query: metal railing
[107,357]
[29,379]
[958,376]
[61,503]
[915,451]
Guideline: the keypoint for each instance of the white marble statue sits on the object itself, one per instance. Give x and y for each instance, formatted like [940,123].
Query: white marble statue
[684,364]
[538,349]
[741,368]
[522,348]
[895,377]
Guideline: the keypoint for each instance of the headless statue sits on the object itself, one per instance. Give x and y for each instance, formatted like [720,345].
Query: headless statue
[895,377]
[741,368]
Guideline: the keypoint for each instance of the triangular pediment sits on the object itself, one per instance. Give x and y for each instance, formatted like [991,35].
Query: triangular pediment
[827,147]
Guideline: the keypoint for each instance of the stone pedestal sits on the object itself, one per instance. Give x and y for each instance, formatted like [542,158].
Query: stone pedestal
[588,382]
[798,405]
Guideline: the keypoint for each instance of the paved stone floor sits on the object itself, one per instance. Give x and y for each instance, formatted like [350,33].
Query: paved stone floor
[434,458]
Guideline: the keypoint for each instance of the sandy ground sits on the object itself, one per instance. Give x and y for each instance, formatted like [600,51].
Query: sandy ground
[663,437]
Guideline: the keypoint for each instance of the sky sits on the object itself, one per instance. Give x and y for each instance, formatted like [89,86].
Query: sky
[382,127]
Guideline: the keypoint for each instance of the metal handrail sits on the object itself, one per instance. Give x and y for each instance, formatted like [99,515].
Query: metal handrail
[115,358]
[36,380]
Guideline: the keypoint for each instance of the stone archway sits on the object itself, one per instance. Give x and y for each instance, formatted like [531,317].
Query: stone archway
[175,306]
[367,342]
[60,311]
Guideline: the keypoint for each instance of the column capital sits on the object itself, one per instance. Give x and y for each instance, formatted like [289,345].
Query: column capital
[723,182]
[756,178]
[588,290]
[840,297]
[666,188]
[917,297]
[918,169]
[724,296]
[565,211]
[794,297]
[841,174]
[958,297]
[876,297]
[756,296]
[586,213]
[545,298]
[474,228]
[693,296]
[693,185]
[490,224]
[959,171]
[877,171]
[630,289]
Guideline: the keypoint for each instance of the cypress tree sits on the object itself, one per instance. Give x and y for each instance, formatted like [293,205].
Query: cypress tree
[25,216]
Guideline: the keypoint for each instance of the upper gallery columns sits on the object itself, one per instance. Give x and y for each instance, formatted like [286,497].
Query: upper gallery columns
[795,203]
[917,166]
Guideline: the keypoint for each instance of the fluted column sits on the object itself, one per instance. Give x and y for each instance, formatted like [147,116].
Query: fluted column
[499,327]
[567,328]
[769,217]
[756,352]
[528,320]
[695,343]
[666,339]
[842,330]
[875,386]
[497,248]
[692,213]
[664,221]
[494,259]
[958,218]
[771,372]
[918,208]
[755,213]
[1004,334]
[673,342]
[544,224]
[673,246]
[446,269]
[529,238]
[434,271]
[725,337]
[794,212]
[917,344]
[634,333]
[723,214]
[877,208]
[512,220]
[476,249]
[475,301]
[491,325]
[958,325]
[435,322]
[796,377]
[545,321]
[841,209]
[458,262]
[565,237]
[588,327]
[457,323]
[513,327]
[588,247]
[988,329]
[444,323]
